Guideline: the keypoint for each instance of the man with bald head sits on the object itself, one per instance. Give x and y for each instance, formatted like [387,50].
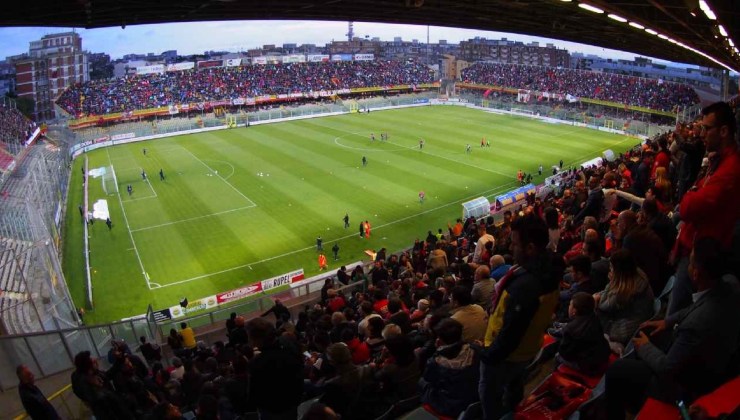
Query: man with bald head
[482,286]
[33,400]
[646,247]
[499,267]
[625,222]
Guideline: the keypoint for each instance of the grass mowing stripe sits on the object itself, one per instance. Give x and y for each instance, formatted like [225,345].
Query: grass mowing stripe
[128,227]
[313,180]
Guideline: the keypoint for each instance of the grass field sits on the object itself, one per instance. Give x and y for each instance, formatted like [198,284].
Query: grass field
[242,205]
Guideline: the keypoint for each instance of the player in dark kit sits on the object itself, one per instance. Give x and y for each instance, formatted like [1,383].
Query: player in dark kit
[143,175]
[161,175]
[335,250]
[319,244]
[130,189]
[346,220]
[364,161]
[362,229]
[109,223]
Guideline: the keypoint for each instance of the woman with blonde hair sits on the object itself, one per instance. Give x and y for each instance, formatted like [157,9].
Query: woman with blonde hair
[626,301]
[662,188]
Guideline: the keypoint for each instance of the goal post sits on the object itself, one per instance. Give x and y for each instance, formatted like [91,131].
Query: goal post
[110,183]
[522,112]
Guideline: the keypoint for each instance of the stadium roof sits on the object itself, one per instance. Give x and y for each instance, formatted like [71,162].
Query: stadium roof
[675,26]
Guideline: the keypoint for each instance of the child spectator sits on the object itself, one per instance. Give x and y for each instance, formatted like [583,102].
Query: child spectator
[583,346]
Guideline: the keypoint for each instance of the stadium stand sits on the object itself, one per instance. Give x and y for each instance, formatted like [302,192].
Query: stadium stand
[196,86]
[629,90]
[14,127]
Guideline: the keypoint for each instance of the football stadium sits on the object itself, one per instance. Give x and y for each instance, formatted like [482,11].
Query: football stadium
[375,230]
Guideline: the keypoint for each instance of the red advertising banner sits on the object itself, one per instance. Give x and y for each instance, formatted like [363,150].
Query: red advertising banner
[210,63]
[239,293]
[281,280]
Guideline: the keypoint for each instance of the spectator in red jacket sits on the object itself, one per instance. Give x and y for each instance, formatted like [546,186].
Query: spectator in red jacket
[711,207]
[359,349]
[336,301]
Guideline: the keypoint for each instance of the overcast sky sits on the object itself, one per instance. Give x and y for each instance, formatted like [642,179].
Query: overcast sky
[188,38]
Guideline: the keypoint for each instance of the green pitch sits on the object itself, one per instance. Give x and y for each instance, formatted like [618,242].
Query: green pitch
[238,206]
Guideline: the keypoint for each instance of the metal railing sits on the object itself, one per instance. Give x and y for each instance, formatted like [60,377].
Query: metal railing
[51,352]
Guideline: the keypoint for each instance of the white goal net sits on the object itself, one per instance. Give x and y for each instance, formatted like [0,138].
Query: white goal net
[110,184]
[522,112]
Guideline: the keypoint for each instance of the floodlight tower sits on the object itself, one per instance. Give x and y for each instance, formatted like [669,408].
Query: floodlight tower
[350,32]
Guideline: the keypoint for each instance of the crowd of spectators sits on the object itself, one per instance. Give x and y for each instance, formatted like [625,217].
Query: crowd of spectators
[460,317]
[219,83]
[629,90]
[14,127]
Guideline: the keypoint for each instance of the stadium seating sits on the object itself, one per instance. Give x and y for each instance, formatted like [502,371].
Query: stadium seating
[628,90]
[224,83]
[14,127]
[6,159]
